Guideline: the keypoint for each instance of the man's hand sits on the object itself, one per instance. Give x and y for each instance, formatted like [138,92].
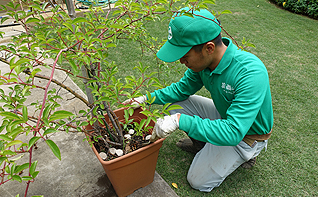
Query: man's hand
[136,101]
[164,127]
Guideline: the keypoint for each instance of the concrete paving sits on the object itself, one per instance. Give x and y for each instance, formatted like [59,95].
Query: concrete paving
[79,172]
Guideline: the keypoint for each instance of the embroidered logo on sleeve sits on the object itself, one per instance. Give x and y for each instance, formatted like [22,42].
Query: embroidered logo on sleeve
[227,88]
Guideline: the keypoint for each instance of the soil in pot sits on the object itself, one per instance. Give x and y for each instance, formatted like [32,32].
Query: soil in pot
[132,142]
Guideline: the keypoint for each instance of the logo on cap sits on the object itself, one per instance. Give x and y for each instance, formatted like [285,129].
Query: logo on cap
[170,33]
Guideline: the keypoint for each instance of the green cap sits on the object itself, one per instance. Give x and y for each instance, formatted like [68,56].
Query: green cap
[186,32]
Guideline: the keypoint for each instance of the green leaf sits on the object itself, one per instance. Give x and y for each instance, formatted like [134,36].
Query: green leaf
[8,152]
[73,65]
[152,73]
[7,169]
[22,60]
[15,142]
[209,1]
[33,166]
[162,1]
[12,80]
[25,90]
[174,107]
[21,168]
[26,178]
[46,122]
[60,115]
[111,45]
[50,130]
[2,159]
[160,9]
[13,169]
[153,119]
[69,26]
[188,14]
[25,113]
[79,20]
[2,127]
[50,40]
[83,124]
[15,132]
[12,65]
[3,19]
[46,111]
[10,115]
[55,149]
[226,12]
[17,178]
[145,112]
[130,111]
[166,106]
[35,71]
[62,30]
[148,121]
[116,26]
[6,138]
[32,20]
[152,99]
[142,123]
[32,141]
[34,174]
[16,158]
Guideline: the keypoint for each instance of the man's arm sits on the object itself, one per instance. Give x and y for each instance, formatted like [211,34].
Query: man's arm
[248,109]
[188,85]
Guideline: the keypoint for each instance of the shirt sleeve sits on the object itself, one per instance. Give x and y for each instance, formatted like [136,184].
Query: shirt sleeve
[250,90]
[189,84]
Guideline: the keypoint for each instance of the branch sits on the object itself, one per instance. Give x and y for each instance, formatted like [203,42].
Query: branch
[61,85]
[47,88]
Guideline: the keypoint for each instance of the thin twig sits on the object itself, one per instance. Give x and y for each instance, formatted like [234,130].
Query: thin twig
[61,85]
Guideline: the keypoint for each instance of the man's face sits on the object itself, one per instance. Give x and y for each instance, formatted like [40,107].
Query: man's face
[196,61]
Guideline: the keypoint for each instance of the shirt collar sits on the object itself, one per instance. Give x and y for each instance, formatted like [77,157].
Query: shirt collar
[227,56]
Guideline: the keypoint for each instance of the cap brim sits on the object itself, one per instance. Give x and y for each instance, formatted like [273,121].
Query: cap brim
[171,53]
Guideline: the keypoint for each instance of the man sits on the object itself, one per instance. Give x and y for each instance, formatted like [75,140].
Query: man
[228,130]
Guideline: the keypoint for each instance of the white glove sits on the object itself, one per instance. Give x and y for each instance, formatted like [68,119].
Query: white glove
[136,101]
[164,127]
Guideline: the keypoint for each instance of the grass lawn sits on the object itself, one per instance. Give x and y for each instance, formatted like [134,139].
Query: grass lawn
[287,44]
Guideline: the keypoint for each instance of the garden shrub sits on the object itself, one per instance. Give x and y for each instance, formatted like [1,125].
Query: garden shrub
[304,7]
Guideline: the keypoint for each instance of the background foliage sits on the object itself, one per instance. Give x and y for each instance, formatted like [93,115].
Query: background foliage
[304,7]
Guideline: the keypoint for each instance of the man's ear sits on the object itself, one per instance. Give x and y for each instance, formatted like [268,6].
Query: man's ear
[210,47]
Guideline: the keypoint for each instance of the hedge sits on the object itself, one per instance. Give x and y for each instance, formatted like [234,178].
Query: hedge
[304,7]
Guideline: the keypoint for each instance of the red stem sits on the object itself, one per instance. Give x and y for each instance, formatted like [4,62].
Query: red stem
[41,112]
[47,87]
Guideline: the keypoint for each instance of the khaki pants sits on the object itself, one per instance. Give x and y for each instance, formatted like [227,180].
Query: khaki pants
[213,164]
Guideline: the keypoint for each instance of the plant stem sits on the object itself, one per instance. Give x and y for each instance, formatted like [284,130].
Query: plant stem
[61,85]
[115,124]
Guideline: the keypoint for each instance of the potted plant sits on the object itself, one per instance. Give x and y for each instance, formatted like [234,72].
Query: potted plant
[56,39]
[78,46]
[136,169]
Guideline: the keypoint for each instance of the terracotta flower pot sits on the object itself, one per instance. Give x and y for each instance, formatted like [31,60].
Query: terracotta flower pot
[133,170]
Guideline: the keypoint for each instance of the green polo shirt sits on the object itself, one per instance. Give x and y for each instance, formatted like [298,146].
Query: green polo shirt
[240,90]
